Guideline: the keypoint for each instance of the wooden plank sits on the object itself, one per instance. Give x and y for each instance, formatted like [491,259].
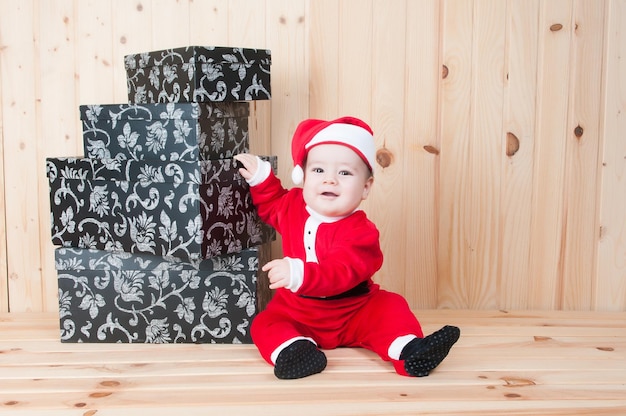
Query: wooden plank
[4,278]
[387,207]
[22,170]
[456,44]
[355,63]
[519,138]
[480,220]
[76,379]
[131,33]
[208,22]
[611,267]
[247,25]
[535,355]
[481,408]
[554,408]
[421,147]
[323,16]
[251,375]
[273,392]
[581,170]
[170,24]
[545,273]
[94,56]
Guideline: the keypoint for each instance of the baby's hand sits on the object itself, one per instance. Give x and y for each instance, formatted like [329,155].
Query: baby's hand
[250,164]
[279,273]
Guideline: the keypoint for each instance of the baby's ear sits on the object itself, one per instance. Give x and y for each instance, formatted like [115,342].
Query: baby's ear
[367,188]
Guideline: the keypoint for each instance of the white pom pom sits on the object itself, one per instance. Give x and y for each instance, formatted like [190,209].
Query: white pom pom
[297,175]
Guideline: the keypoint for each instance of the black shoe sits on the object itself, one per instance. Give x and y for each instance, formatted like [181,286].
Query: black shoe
[300,359]
[422,355]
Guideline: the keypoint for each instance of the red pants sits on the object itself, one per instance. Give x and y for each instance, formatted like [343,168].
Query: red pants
[371,321]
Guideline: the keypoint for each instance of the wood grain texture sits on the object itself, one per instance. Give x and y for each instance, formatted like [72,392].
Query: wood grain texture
[161,15]
[506,362]
[21,164]
[582,151]
[131,33]
[248,23]
[482,211]
[421,167]
[611,266]
[4,279]
[501,123]
[356,25]
[324,53]
[547,225]
[209,22]
[387,206]
[94,55]
[519,118]
[454,246]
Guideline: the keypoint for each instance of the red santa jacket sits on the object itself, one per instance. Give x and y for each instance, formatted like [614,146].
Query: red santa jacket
[338,254]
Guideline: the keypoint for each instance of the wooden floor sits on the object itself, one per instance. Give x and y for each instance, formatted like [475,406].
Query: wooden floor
[506,363]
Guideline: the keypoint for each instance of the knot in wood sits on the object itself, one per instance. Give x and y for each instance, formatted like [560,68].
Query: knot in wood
[517,382]
[607,349]
[384,157]
[100,394]
[578,131]
[512,144]
[556,27]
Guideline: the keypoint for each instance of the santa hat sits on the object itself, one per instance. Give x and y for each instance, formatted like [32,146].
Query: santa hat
[346,131]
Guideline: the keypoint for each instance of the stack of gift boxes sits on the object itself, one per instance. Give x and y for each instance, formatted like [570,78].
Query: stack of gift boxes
[160,241]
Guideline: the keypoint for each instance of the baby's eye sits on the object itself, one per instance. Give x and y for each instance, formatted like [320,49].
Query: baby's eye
[317,170]
[345,172]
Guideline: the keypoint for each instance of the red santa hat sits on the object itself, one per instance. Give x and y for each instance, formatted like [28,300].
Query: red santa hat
[347,131]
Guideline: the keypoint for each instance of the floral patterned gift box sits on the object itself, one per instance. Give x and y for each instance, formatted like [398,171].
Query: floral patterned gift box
[190,210]
[123,297]
[172,131]
[198,74]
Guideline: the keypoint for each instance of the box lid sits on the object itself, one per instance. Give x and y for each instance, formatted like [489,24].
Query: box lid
[74,258]
[142,171]
[164,111]
[193,55]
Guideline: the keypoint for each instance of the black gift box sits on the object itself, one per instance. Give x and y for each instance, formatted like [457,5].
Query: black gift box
[191,210]
[123,297]
[198,74]
[167,131]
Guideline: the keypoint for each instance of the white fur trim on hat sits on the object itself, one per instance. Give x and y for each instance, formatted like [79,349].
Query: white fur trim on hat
[353,136]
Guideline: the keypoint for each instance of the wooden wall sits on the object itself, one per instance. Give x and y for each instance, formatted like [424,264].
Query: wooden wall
[501,125]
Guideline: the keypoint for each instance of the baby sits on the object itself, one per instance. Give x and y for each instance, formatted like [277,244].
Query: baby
[325,296]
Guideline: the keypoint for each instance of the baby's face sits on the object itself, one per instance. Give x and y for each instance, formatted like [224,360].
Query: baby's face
[336,180]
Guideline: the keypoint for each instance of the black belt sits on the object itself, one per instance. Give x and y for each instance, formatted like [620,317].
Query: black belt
[358,290]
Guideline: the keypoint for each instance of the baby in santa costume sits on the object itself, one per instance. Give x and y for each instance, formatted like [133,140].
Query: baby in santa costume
[325,296]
